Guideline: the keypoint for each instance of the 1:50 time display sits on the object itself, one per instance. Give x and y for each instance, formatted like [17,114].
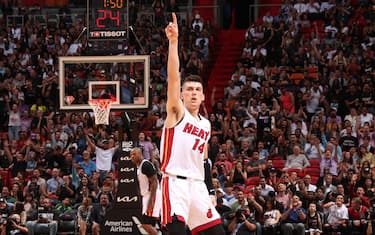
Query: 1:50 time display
[113,3]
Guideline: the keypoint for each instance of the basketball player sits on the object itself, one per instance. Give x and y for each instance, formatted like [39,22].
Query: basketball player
[150,191]
[183,148]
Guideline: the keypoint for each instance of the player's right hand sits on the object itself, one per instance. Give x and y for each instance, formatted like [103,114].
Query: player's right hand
[172,29]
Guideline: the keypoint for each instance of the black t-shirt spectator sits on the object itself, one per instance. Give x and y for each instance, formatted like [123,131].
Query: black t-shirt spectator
[347,142]
[98,213]
[55,160]
[18,166]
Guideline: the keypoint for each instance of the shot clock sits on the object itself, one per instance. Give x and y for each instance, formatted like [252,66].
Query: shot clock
[107,19]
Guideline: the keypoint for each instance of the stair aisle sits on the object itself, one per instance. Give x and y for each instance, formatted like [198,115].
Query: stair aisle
[232,42]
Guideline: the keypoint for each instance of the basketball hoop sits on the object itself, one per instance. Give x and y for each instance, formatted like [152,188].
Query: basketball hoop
[101,108]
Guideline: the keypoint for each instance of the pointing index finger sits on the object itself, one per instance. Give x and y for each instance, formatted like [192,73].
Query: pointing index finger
[174,18]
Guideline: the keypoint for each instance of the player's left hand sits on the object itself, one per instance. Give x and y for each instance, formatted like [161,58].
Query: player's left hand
[172,29]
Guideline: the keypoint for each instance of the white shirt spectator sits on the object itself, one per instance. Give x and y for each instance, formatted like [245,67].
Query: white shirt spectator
[331,29]
[311,151]
[300,7]
[312,7]
[326,6]
[336,214]
[368,117]
[265,190]
[104,158]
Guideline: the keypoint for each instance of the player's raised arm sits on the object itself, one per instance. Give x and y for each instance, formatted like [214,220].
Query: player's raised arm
[174,103]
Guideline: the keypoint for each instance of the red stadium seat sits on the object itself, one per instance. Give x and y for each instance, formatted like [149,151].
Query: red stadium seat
[312,171]
[297,170]
[254,180]
[278,163]
[315,163]
[314,180]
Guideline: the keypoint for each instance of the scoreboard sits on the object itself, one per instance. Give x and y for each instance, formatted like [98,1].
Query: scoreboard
[107,19]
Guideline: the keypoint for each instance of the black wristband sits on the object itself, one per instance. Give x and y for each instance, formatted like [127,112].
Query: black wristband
[208,178]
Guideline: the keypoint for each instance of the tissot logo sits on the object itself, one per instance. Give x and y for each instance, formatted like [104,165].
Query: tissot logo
[127,181]
[127,169]
[98,34]
[127,199]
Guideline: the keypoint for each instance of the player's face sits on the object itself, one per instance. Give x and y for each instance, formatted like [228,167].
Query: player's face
[192,94]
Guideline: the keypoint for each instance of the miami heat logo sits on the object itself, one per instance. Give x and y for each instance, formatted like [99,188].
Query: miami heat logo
[209,213]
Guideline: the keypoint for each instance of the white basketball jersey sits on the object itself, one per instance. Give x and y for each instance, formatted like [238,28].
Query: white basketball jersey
[182,147]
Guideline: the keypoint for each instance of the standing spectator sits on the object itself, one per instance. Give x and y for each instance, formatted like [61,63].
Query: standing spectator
[145,145]
[328,162]
[296,160]
[104,152]
[98,213]
[294,218]
[14,123]
[263,117]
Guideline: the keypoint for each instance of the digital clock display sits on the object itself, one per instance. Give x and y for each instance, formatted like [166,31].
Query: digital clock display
[107,19]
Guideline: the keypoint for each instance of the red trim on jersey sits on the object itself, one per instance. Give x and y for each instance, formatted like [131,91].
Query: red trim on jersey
[166,206]
[168,141]
[202,227]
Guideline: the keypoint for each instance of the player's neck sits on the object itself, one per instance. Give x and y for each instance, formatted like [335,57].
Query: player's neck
[194,112]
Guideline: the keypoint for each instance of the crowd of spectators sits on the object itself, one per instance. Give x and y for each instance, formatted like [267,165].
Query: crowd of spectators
[292,153]
[293,137]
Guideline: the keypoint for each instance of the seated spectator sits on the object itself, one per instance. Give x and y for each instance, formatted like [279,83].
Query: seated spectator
[327,183]
[255,165]
[229,197]
[54,182]
[358,215]
[64,206]
[241,223]
[240,202]
[14,226]
[238,174]
[46,222]
[313,149]
[313,221]
[294,218]
[98,213]
[296,160]
[338,216]
[307,182]
[83,215]
[66,190]
[271,218]
[282,196]
[264,187]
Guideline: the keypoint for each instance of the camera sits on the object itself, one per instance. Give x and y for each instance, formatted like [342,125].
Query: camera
[239,215]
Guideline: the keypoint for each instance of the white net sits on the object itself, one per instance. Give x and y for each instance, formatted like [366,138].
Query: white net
[101,108]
